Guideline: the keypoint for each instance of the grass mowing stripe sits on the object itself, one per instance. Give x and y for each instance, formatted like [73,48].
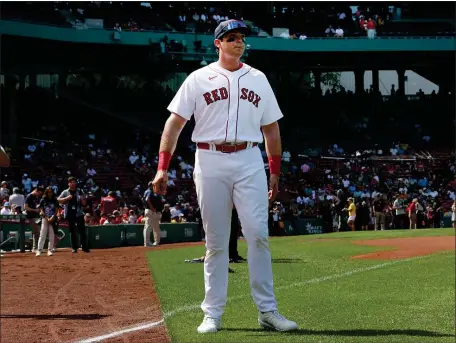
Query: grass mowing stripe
[189,308]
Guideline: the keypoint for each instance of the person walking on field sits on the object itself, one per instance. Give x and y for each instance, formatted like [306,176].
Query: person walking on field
[153,211]
[234,107]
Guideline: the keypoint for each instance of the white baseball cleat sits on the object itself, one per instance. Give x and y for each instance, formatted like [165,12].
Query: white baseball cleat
[209,324]
[50,253]
[38,253]
[274,320]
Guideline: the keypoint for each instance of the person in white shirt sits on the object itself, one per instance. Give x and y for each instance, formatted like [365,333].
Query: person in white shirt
[132,218]
[175,211]
[17,199]
[346,182]
[339,33]
[110,220]
[229,169]
[6,210]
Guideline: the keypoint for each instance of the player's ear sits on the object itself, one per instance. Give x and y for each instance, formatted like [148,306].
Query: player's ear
[217,43]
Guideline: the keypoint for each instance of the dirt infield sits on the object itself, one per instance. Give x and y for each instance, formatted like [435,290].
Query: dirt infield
[407,247]
[66,297]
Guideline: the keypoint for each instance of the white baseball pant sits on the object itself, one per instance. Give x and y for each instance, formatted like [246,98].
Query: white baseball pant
[46,228]
[220,180]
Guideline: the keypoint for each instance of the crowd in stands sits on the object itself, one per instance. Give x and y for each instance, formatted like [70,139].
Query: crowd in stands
[379,157]
[370,20]
[303,20]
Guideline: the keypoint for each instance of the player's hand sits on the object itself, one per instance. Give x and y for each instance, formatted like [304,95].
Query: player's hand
[160,182]
[273,186]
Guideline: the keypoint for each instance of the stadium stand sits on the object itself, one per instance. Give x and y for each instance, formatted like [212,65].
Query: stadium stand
[107,133]
[310,20]
[125,159]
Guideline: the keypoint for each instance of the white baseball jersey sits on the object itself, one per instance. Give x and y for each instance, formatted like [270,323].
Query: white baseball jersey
[228,106]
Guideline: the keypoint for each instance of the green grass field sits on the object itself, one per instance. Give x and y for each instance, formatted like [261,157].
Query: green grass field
[332,297]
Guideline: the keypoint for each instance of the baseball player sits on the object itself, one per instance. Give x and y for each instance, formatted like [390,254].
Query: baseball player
[232,104]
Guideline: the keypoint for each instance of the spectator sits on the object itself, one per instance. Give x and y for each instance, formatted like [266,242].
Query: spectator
[330,32]
[109,203]
[371,31]
[6,209]
[339,33]
[31,205]
[17,200]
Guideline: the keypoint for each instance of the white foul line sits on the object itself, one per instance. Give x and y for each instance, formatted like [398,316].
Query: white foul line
[122,332]
[189,308]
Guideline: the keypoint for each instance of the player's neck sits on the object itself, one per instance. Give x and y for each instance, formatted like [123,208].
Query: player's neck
[231,64]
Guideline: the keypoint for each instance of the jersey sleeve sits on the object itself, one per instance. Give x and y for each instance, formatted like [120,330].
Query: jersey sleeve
[184,102]
[272,110]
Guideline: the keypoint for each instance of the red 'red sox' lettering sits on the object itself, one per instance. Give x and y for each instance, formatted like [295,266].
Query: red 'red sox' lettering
[251,96]
[215,95]
[222,94]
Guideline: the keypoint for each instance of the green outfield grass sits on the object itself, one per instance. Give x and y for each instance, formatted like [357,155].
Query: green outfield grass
[332,298]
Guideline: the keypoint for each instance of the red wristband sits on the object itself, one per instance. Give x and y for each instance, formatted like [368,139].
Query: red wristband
[274,165]
[164,159]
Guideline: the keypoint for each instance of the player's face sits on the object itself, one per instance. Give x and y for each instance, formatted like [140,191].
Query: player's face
[233,43]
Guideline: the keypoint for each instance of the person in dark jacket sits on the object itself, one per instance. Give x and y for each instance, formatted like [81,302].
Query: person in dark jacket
[233,247]
[73,200]
[363,216]
[154,206]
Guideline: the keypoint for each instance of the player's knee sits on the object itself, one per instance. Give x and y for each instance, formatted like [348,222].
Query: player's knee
[216,246]
[259,238]
[215,250]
